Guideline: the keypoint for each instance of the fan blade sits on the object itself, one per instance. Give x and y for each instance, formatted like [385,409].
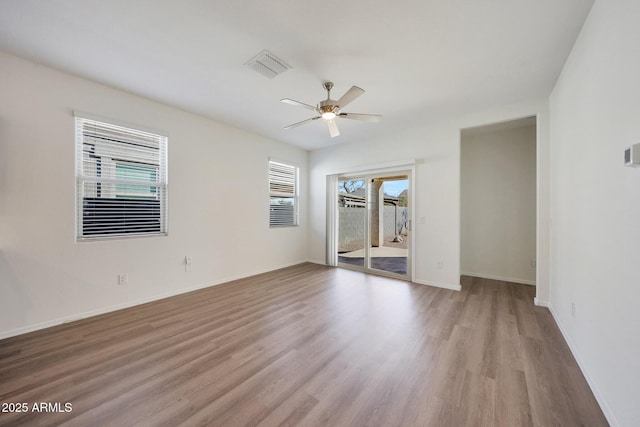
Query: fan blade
[299,104]
[295,125]
[365,117]
[349,96]
[333,128]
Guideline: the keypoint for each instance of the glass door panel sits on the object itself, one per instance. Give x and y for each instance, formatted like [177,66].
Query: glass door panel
[388,204]
[352,217]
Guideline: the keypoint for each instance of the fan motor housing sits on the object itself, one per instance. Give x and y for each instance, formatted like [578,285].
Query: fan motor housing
[328,105]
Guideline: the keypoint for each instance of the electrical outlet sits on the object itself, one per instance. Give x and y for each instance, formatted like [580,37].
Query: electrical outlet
[532,263]
[573,309]
[187,263]
[123,279]
[440,265]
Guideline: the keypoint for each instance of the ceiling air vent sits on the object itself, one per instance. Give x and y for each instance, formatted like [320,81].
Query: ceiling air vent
[267,64]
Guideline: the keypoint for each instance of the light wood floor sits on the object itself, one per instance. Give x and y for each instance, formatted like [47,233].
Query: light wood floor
[307,346]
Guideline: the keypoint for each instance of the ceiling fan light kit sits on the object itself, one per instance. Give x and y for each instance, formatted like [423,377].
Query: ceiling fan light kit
[330,109]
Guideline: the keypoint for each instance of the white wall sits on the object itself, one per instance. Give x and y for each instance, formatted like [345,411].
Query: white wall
[595,206]
[437,188]
[47,277]
[498,203]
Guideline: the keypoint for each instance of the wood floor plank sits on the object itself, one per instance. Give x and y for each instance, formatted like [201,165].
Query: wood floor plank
[512,398]
[306,346]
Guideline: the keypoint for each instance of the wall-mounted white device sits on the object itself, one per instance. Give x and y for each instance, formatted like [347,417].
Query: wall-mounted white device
[632,155]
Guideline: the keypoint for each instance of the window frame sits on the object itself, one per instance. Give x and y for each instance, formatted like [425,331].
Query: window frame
[119,191]
[293,195]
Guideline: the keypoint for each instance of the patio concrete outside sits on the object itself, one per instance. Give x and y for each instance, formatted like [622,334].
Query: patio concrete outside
[378,252]
[390,259]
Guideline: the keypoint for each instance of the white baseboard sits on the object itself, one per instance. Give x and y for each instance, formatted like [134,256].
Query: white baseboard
[128,304]
[315,261]
[541,303]
[438,285]
[501,278]
[606,409]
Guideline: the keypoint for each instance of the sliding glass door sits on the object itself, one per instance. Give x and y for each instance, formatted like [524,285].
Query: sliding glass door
[373,223]
[352,225]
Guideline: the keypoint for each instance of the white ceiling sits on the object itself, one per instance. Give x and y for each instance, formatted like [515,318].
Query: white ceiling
[418,60]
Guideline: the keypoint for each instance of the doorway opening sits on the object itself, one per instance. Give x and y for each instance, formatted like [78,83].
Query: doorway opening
[373,223]
[498,201]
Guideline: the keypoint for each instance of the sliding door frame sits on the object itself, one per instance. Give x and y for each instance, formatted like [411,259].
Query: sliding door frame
[367,173]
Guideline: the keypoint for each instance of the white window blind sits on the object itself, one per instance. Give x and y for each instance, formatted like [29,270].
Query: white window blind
[283,192]
[121,181]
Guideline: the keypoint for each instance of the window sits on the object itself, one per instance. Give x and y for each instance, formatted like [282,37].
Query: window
[121,181]
[283,192]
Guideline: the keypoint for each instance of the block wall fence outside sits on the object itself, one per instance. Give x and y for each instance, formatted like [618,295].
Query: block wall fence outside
[352,224]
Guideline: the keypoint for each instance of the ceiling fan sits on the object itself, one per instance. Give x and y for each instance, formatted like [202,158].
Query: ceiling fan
[330,109]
